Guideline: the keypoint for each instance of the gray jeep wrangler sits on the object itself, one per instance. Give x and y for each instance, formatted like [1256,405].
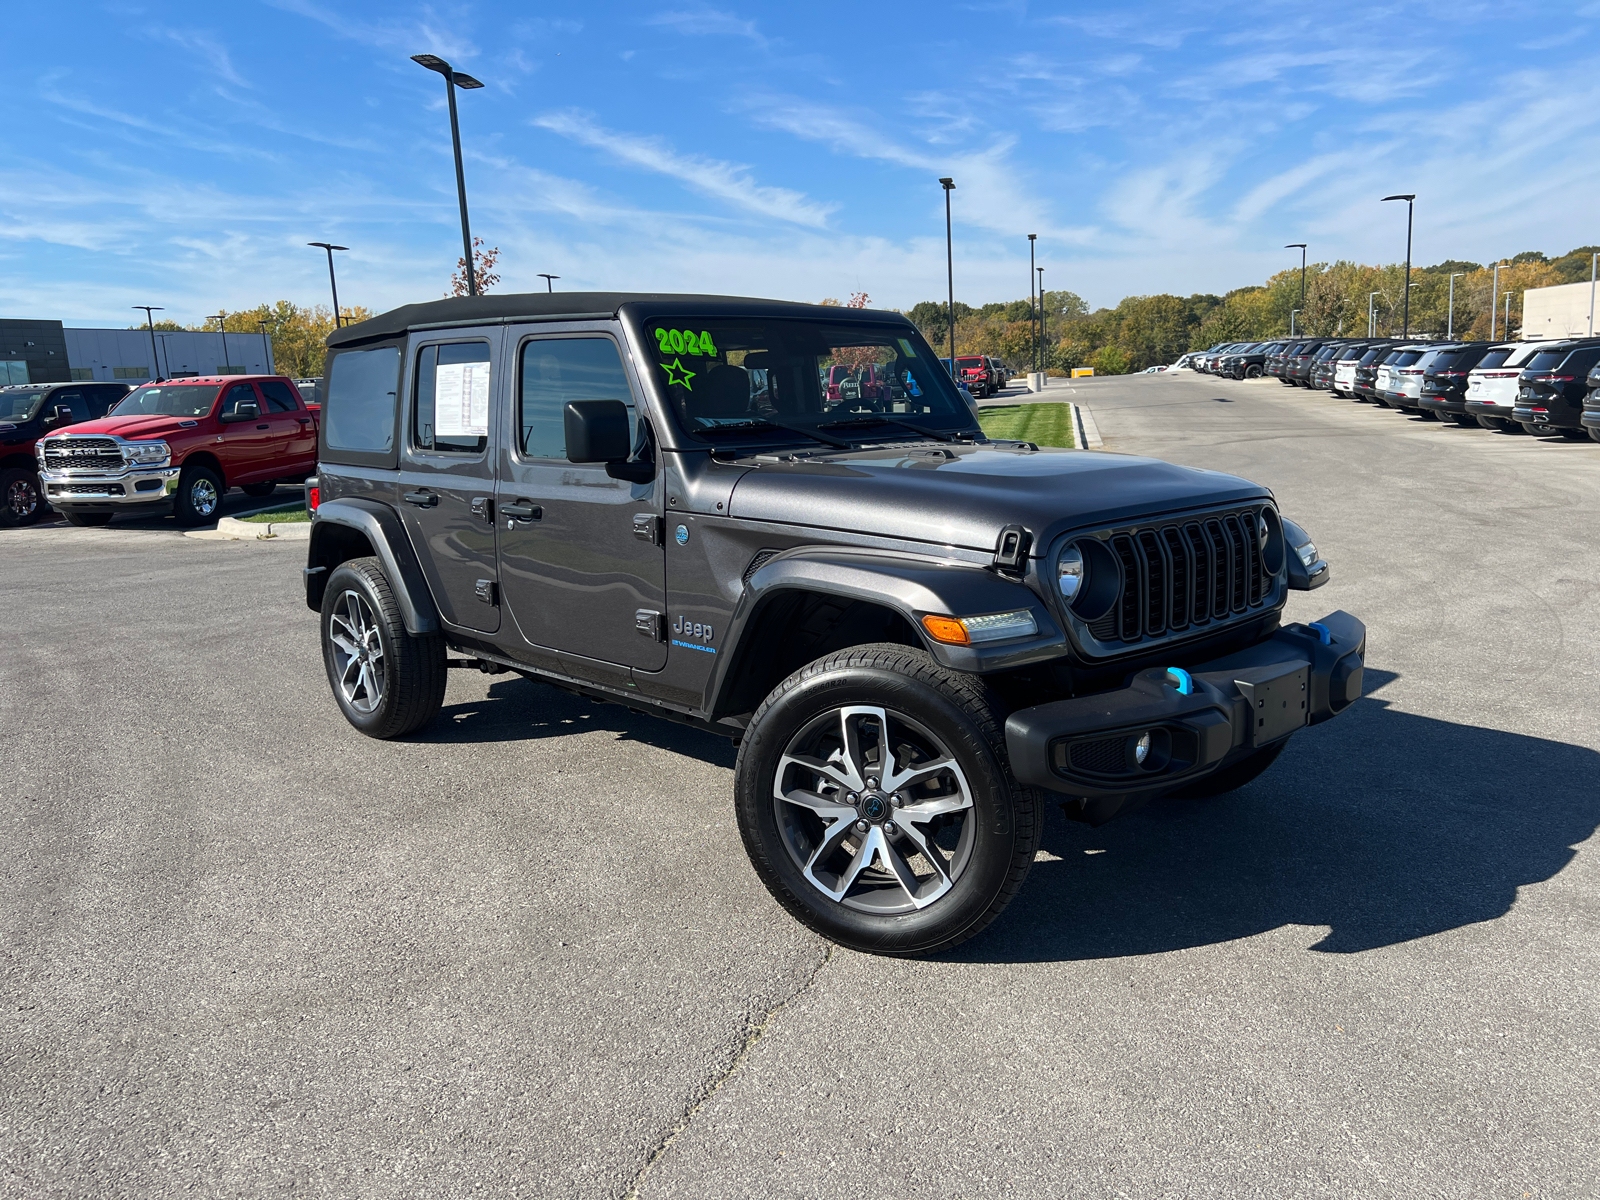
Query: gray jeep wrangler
[780,522]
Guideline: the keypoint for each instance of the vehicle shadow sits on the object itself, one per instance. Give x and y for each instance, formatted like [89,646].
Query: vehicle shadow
[518,709]
[1383,826]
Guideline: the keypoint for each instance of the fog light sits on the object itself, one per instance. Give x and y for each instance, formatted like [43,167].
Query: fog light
[1141,749]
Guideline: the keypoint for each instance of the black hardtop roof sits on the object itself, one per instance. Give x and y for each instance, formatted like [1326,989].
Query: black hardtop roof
[542,306]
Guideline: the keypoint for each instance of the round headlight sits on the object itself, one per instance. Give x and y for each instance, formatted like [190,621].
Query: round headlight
[1069,573]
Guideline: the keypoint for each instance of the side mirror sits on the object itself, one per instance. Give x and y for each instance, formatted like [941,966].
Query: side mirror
[597,431]
[245,412]
[60,414]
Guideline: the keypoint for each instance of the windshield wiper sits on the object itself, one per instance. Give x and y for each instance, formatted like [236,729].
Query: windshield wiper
[803,430]
[937,435]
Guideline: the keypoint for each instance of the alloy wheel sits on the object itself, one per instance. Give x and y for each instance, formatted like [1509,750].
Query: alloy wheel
[874,810]
[357,652]
[22,499]
[203,496]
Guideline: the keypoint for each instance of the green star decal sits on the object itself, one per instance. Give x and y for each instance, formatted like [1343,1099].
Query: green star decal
[677,366]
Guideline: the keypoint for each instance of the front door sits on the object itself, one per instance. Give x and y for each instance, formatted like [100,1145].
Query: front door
[580,555]
[447,473]
[246,445]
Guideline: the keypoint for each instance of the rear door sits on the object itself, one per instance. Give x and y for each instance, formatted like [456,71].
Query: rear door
[581,558]
[447,471]
[294,437]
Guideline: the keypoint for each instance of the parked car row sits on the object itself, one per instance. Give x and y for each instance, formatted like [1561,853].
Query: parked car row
[1542,387]
[92,450]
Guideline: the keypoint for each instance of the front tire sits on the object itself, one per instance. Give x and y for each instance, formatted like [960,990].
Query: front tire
[21,502]
[199,497]
[877,805]
[387,682]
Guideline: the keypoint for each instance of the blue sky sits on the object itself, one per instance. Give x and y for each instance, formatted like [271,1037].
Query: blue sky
[183,154]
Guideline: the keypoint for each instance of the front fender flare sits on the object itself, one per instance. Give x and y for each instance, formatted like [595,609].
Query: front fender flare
[909,584]
[381,526]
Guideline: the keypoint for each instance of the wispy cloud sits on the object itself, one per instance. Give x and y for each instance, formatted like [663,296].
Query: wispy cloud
[208,53]
[709,22]
[428,34]
[726,181]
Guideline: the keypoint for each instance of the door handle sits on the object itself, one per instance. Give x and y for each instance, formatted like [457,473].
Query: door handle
[523,512]
[263,426]
[421,499]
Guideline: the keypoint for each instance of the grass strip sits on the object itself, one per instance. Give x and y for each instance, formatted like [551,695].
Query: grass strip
[1043,424]
[278,518]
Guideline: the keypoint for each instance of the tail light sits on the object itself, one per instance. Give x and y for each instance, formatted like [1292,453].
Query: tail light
[1554,378]
[313,497]
[1411,371]
[1500,374]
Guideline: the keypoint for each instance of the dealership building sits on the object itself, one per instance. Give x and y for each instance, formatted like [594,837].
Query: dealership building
[47,352]
[1563,311]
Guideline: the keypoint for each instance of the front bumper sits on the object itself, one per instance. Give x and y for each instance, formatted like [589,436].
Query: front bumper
[137,487]
[1197,718]
[1591,418]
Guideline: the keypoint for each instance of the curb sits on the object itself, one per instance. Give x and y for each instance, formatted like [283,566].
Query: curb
[1088,432]
[235,530]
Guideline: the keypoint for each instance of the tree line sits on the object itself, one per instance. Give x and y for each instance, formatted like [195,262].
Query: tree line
[298,333]
[1146,331]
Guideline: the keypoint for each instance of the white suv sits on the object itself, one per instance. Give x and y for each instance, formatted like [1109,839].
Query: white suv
[1492,384]
[1387,387]
[1344,370]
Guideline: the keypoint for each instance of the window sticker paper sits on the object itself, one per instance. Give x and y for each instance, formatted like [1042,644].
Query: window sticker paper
[461,400]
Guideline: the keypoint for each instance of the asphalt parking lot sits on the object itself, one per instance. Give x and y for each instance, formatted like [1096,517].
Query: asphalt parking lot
[249,952]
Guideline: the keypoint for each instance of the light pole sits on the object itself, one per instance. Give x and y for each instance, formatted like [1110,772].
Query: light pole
[1593,260]
[218,319]
[1508,314]
[1494,301]
[1410,199]
[1300,246]
[266,347]
[1033,308]
[950,269]
[1293,313]
[549,281]
[166,355]
[1372,317]
[454,79]
[155,361]
[1044,333]
[332,282]
[1450,331]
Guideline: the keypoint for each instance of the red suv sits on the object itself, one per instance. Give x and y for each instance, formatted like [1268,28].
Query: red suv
[178,445]
[974,371]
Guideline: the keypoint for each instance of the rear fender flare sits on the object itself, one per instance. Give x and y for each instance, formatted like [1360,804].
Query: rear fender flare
[908,584]
[381,527]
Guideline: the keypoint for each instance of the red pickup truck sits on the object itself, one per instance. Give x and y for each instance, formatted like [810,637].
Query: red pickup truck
[178,445]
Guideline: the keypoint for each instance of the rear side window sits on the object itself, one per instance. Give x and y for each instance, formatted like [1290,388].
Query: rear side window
[1579,361]
[451,415]
[556,371]
[277,395]
[360,409]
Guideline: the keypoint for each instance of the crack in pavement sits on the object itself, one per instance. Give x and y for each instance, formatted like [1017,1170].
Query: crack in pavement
[753,1033]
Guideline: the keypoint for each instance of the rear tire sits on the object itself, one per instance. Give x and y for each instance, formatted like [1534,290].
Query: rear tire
[816,801]
[1500,424]
[1595,434]
[86,520]
[385,681]
[1252,372]
[1465,420]
[199,497]
[258,489]
[21,501]
[1231,777]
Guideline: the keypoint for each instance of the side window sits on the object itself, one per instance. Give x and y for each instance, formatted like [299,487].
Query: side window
[451,414]
[239,393]
[75,401]
[360,405]
[102,398]
[277,395]
[555,371]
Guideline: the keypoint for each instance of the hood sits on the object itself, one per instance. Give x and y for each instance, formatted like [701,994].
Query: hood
[929,496]
[134,427]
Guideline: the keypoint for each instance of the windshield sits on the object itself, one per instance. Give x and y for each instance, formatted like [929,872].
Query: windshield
[167,399]
[768,378]
[21,405]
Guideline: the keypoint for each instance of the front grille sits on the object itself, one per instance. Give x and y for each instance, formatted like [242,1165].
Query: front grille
[1186,575]
[82,453]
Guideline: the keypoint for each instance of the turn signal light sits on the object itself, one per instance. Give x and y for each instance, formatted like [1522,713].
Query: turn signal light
[946,629]
[995,627]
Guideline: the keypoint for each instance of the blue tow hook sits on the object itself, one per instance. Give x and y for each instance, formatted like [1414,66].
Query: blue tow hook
[1322,631]
[1181,679]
